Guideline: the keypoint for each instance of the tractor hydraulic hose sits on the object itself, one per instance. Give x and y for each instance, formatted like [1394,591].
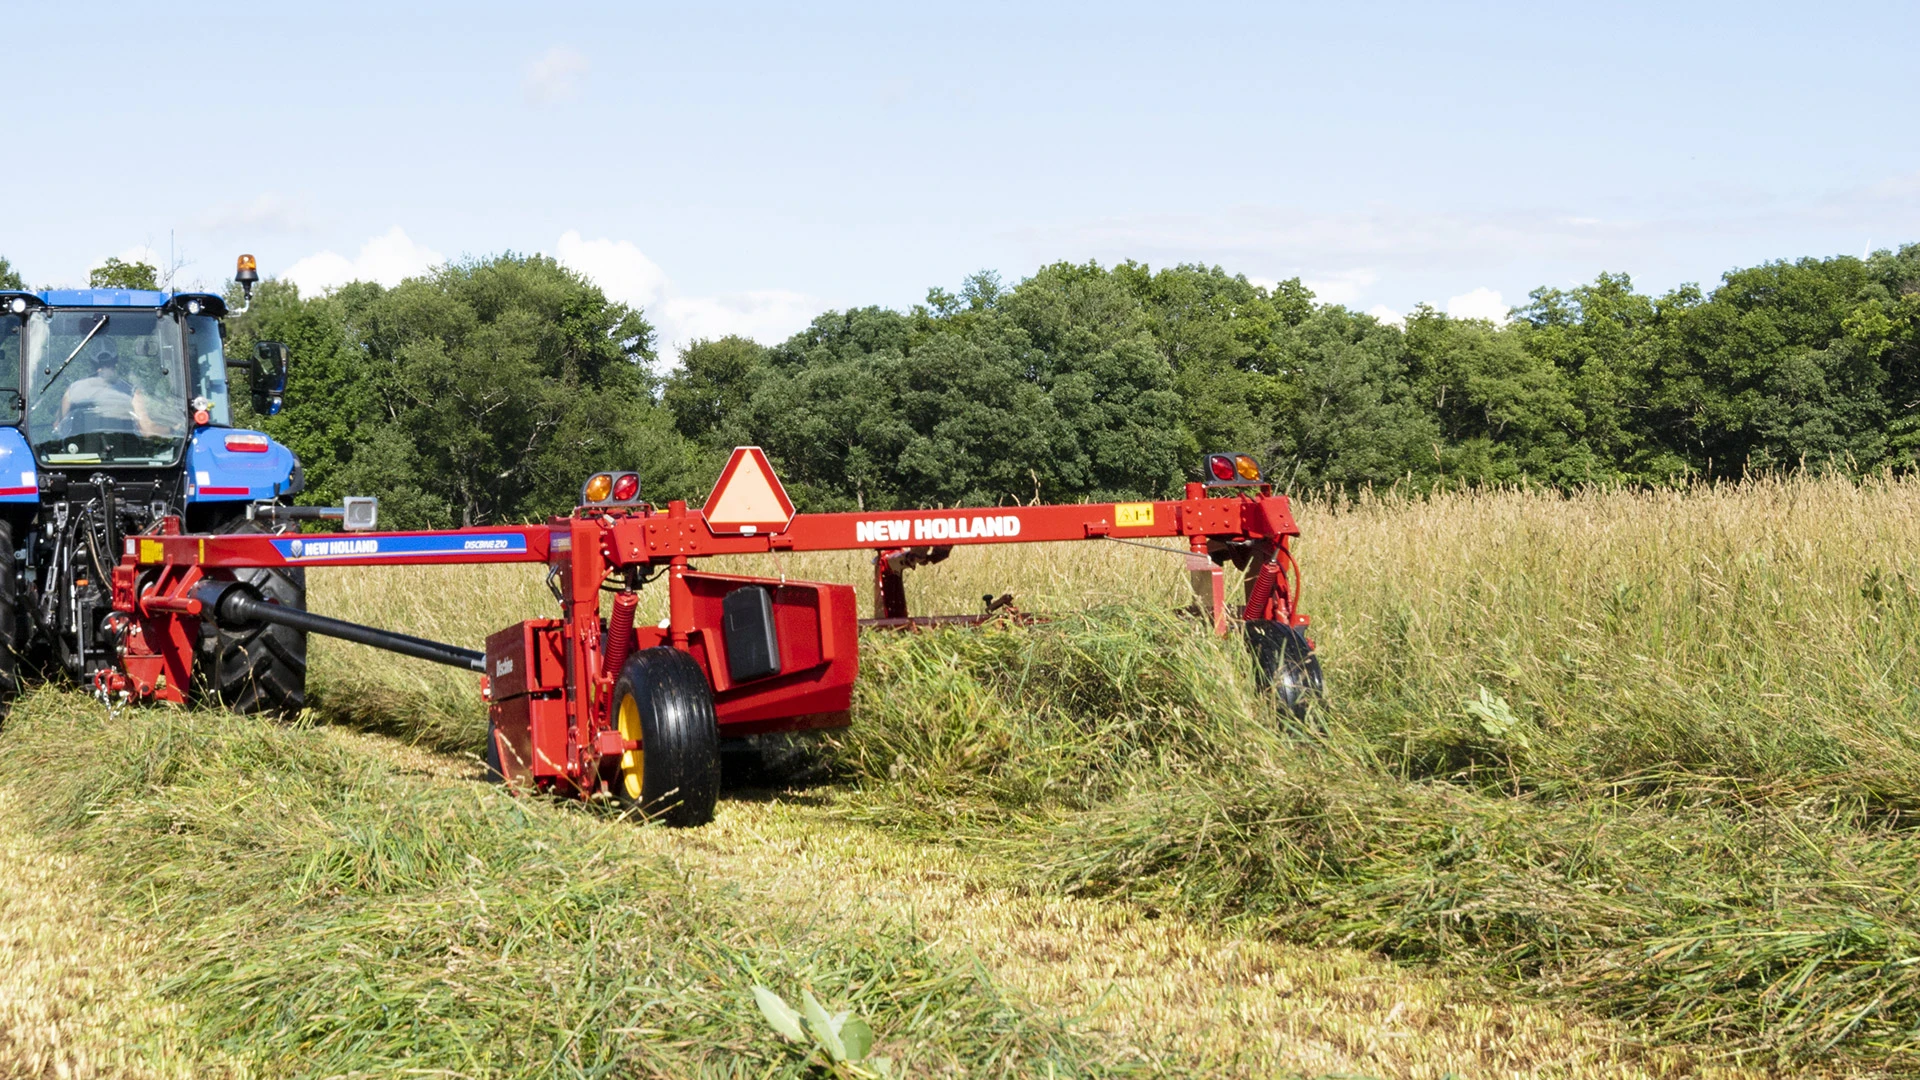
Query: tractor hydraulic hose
[234,604]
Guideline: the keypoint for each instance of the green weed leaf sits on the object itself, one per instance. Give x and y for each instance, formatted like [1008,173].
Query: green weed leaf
[779,1014]
[1496,718]
[857,1038]
[825,1032]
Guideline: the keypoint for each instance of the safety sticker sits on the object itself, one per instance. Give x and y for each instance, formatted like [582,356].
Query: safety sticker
[1132,515]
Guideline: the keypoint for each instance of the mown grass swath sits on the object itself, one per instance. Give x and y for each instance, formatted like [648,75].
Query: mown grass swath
[323,916]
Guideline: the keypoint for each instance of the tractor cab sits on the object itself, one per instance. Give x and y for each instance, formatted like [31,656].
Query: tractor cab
[121,377]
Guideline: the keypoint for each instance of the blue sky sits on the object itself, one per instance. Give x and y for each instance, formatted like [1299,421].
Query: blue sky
[742,167]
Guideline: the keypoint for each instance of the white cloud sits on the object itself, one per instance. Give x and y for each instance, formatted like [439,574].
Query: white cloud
[1481,303]
[626,274]
[1343,287]
[765,315]
[555,76]
[621,270]
[1387,315]
[388,259]
[141,253]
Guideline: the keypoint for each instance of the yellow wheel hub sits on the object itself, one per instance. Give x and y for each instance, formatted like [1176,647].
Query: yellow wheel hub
[633,763]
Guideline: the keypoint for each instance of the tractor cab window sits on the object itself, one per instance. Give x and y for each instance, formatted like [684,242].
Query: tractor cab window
[105,387]
[11,330]
[208,386]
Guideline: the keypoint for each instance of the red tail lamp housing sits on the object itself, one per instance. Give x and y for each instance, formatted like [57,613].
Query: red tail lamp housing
[248,444]
[1231,470]
[611,489]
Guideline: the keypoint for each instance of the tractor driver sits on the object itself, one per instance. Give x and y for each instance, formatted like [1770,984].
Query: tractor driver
[114,402]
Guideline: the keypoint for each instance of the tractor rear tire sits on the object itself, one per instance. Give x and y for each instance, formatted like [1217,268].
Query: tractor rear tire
[262,669]
[10,635]
[663,702]
[1283,661]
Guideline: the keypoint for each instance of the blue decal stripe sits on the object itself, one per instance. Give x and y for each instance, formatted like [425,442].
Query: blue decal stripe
[351,547]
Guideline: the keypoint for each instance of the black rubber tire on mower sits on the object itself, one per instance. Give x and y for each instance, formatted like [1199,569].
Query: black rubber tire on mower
[1283,661]
[675,777]
[262,669]
[495,775]
[10,635]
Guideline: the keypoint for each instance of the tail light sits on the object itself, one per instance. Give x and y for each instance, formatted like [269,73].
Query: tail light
[248,444]
[611,489]
[1231,470]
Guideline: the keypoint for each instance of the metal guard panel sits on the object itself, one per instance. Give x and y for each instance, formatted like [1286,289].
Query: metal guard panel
[217,474]
[19,480]
[819,649]
[104,298]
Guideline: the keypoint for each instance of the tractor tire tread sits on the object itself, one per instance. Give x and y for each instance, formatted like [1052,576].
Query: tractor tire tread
[10,636]
[263,669]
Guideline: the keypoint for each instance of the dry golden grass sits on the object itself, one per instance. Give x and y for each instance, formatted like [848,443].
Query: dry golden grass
[76,982]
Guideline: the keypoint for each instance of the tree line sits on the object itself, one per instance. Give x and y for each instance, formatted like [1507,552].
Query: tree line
[487,390]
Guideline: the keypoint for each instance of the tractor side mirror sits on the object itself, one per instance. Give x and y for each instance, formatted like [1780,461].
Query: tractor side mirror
[269,377]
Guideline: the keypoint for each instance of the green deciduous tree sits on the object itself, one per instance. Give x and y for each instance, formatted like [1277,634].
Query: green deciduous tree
[115,274]
[484,392]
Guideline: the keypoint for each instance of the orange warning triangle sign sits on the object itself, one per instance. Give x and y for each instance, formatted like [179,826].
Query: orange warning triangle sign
[748,497]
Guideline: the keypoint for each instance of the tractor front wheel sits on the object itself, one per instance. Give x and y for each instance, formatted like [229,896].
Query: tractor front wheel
[262,668]
[1283,661]
[662,701]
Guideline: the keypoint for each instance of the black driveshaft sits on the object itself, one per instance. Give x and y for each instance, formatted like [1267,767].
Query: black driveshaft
[231,603]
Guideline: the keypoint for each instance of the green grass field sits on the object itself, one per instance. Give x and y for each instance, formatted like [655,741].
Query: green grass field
[1612,784]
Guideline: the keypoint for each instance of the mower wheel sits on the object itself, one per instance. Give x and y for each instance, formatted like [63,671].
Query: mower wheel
[663,702]
[262,668]
[492,757]
[1283,661]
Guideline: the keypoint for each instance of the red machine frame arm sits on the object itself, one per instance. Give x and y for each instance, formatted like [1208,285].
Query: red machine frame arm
[630,538]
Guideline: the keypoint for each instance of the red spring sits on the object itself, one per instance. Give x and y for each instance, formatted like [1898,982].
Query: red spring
[1262,591]
[619,633]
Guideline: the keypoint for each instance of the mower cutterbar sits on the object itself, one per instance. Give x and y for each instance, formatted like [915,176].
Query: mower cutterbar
[583,704]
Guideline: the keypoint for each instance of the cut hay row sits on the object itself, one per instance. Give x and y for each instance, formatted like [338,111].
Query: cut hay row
[307,910]
[227,897]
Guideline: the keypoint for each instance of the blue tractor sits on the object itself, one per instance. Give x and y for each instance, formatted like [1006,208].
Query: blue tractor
[121,416]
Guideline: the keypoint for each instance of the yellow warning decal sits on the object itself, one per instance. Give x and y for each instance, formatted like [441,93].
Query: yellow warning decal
[152,551]
[1132,515]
